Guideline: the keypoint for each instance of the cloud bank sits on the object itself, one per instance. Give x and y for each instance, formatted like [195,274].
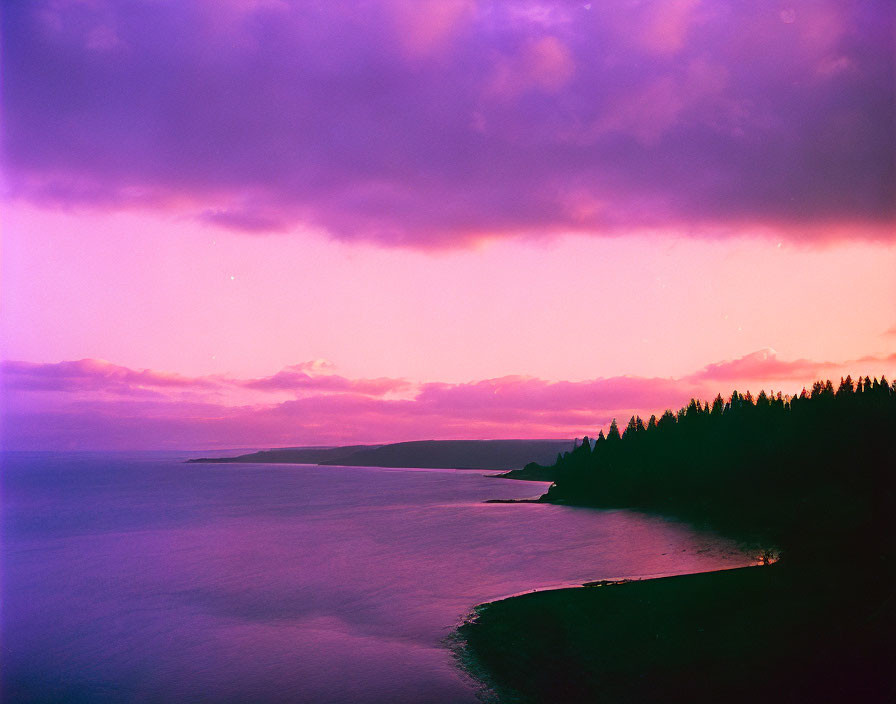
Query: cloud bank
[433,124]
[91,404]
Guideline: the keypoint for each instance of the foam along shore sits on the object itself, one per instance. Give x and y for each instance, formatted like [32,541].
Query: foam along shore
[768,633]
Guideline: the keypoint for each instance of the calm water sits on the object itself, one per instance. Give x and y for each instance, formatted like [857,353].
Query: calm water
[139,578]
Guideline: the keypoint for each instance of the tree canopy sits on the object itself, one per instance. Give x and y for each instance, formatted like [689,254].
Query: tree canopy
[812,474]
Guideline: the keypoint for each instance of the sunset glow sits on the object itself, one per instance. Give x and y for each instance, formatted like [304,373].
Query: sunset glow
[274,223]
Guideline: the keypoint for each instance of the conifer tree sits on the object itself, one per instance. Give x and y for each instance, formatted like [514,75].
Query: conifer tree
[780,449]
[667,420]
[585,448]
[846,387]
[613,433]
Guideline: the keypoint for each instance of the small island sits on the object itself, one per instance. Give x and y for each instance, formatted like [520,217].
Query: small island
[806,481]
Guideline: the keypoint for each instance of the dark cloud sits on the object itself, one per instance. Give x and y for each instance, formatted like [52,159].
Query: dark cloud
[431,124]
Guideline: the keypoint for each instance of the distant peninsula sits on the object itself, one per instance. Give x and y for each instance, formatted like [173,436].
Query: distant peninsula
[430,454]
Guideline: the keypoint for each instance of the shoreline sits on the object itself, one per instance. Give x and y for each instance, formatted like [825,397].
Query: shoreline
[794,634]
[610,581]
[514,501]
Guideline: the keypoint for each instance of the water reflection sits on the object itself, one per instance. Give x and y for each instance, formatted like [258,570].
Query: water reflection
[146,579]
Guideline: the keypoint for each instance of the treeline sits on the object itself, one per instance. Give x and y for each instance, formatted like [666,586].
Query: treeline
[811,474]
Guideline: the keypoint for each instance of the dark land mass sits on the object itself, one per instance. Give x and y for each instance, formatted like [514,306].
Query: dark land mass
[532,472]
[810,478]
[436,454]
[460,454]
[514,501]
[813,475]
[758,634]
[293,455]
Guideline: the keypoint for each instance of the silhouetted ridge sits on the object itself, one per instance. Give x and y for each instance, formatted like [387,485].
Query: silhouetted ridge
[456,454]
[292,455]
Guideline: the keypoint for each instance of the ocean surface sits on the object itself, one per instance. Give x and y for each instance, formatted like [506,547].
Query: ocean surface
[138,578]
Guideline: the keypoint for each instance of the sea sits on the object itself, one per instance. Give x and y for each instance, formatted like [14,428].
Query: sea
[134,577]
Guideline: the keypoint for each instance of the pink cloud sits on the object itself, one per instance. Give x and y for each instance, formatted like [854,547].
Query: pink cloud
[871,359]
[97,405]
[764,366]
[761,365]
[295,378]
[544,65]
[667,24]
[426,27]
[93,375]
[692,95]
[525,394]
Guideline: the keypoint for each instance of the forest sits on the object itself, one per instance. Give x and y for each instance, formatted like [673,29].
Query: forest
[811,476]
[808,480]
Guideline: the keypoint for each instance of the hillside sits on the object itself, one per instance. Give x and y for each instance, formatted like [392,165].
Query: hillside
[292,455]
[457,454]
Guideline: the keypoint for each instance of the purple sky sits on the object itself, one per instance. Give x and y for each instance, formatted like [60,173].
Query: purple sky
[477,219]
[430,123]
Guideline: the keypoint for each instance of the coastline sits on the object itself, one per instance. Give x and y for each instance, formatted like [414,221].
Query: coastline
[504,455]
[593,584]
[791,635]
[514,501]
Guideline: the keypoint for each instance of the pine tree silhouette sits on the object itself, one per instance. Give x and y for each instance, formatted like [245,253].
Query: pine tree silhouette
[814,473]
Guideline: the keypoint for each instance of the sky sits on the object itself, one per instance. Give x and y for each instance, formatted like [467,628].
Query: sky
[271,223]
